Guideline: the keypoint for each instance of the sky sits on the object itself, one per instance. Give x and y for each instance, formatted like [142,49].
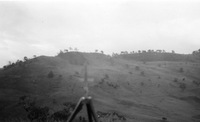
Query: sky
[41,27]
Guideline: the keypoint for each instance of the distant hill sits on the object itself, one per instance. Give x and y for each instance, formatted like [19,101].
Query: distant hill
[166,85]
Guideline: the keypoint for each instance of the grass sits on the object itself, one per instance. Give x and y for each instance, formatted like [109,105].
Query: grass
[149,105]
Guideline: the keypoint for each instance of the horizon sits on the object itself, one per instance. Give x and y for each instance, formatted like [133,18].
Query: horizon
[30,28]
[98,52]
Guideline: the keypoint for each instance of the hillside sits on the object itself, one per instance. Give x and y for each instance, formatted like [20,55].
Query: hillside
[139,91]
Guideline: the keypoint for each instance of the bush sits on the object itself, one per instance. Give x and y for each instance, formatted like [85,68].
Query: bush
[127,66]
[142,73]
[106,76]
[137,68]
[175,80]
[196,83]
[182,86]
[34,113]
[51,74]
[76,73]
[181,70]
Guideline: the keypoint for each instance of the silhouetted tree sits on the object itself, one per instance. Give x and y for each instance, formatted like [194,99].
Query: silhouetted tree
[143,51]
[70,48]
[66,50]
[25,58]
[159,51]
[9,63]
[34,56]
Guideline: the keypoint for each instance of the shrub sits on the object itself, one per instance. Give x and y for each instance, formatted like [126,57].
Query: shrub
[127,66]
[175,80]
[54,101]
[50,74]
[76,73]
[137,68]
[182,86]
[106,76]
[60,76]
[142,73]
[181,70]
[196,83]
[130,73]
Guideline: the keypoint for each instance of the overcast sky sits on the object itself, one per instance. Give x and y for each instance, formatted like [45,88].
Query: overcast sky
[43,28]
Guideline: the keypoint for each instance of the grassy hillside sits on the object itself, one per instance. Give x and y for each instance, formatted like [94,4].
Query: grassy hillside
[143,92]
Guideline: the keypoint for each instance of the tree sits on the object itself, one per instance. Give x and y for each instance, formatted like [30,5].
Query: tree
[137,68]
[143,51]
[66,50]
[25,58]
[163,51]
[173,51]
[60,53]
[34,56]
[182,86]
[125,52]
[102,52]
[9,63]
[181,70]
[96,51]
[159,51]
[194,52]
[142,73]
[75,49]
[51,74]
[70,48]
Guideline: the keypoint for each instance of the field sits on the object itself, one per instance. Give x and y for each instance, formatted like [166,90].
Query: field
[140,91]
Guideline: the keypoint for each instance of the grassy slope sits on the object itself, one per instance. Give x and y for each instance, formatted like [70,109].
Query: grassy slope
[158,97]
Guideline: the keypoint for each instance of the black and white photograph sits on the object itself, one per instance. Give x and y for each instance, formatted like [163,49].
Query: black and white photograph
[99,61]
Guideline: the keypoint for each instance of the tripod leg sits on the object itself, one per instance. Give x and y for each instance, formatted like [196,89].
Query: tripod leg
[91,109]
[89,112]
[77,109]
